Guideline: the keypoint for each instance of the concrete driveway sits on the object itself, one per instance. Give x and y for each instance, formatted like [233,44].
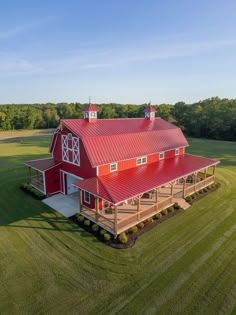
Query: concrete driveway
[65,204]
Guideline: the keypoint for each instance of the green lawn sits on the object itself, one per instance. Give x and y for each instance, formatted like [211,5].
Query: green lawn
[187,265]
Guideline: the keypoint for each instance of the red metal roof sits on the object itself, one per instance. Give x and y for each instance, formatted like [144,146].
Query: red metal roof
[149,109]
[119,186]
[90,108]
[112,140]
[42,165]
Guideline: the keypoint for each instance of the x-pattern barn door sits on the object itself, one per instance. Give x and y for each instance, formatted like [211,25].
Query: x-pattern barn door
[75,150]
[65,151]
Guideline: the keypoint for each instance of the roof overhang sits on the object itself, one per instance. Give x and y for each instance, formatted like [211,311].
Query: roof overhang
[42,164]
[119,186]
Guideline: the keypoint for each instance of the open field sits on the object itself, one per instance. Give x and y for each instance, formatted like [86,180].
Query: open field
[187,265]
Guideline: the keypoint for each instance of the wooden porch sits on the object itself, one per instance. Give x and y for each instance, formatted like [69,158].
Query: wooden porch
[36,179]
[120,217]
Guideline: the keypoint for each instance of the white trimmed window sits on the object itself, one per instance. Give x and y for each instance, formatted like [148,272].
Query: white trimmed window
[113,167]
[93,114]
[161,155]
[176,151]
[141,160]
[87,197]
[70,149]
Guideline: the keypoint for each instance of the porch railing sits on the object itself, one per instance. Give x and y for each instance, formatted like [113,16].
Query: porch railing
[97,217]
[144,214]
[205,182]
[35,181]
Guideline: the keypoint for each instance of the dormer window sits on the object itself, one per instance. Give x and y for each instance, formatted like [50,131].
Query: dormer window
[141,160]
[113,167]
[161,155]
[176,151]
[69,136]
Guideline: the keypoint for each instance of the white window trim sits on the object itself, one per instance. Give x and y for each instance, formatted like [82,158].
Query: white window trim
[86,200]
[141,158]
[112,164]
[176,151]
[163,155]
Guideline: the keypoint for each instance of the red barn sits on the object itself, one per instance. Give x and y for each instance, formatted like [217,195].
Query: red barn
[123,170]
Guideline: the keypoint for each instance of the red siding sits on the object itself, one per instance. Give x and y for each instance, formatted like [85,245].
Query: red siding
[124,165]
[57,149]
[181,151]
[52,180]
[85,169]
[152,158]
[92,201]
[169,154]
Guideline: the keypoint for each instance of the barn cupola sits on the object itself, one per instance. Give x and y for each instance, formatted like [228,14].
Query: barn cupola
[90,112]
[150,112]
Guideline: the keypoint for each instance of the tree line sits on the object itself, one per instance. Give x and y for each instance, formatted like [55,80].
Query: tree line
[212,118]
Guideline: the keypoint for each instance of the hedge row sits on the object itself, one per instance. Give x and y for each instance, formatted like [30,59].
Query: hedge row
[106,236]
[32,191]
[202,191]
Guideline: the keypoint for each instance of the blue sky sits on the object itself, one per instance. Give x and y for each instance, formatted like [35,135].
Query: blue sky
[117,51]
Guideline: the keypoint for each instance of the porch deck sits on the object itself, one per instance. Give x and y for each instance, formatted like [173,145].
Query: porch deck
[127,214]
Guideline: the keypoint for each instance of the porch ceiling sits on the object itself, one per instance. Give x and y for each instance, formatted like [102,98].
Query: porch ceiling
[119,186]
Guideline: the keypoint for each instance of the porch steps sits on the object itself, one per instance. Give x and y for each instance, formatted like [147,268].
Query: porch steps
[183,204]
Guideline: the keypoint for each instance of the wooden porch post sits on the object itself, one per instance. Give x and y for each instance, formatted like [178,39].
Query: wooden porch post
[138,208]
[96,207]
[172,191]
[29,180]
[205,173]
[195,175]
[214,170]
[156,198]
[156,195]
[184,185]
[115,220]
[81,200]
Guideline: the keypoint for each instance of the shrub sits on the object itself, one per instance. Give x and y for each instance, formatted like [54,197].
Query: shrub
[141,225]
[133,229]
[205,189]
[158,216]
[164,211]
[107,237]
[176,206]
[123,238]
[95,228]
[149,220]
[188,199]
[200,191]
[172,209]
[80,218]
[102,232]
[193,196]
[87,222]
[209,187]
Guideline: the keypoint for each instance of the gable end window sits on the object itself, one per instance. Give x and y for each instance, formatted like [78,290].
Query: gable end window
[141,160]
[176,151]
[161,155]
[87,197]
[113,167]
[70,149]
